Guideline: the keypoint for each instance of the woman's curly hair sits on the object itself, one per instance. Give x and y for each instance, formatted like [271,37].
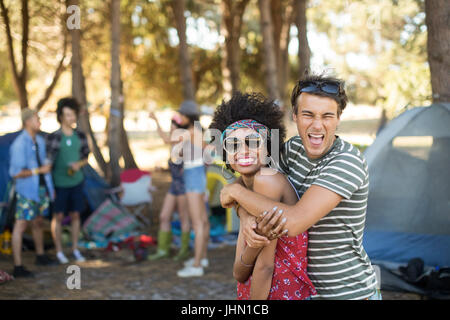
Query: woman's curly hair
[250,106]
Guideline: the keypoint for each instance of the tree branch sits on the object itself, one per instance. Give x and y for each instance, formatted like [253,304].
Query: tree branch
[9,40]
[25,33]
[59,70]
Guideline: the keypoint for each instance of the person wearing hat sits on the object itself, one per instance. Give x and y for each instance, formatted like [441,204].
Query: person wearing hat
[34,190]
[194,175]
[175,199]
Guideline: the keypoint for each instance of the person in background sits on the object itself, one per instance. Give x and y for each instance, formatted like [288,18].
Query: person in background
[175,199]
[68,151]
[34,190]
[194,173]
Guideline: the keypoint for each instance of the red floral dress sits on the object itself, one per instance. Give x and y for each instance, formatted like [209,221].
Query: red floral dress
[289,281]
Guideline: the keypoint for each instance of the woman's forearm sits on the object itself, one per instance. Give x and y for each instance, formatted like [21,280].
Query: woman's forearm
[243,267]
[164,136]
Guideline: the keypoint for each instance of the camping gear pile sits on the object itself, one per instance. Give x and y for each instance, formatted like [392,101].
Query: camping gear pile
[408,215]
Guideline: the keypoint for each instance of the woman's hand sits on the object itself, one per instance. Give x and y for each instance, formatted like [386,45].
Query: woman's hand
[226,200]
[152,116]
[271,224]
[249,225]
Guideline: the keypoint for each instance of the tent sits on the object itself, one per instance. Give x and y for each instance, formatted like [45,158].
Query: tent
[5,142]
[408,212]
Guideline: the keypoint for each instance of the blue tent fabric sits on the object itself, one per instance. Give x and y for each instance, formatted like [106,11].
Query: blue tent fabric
[5,143]
[408,210]
[94,188]
[401,247]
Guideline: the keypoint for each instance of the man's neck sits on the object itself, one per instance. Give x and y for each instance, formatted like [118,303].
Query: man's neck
[32,133]
[66,129]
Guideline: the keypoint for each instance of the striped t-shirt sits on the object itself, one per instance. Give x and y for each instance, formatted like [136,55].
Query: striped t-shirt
[338,266]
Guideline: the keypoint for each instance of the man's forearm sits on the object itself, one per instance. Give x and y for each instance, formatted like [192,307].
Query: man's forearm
[255,204]
[252,202]
[25,173]
[83,162]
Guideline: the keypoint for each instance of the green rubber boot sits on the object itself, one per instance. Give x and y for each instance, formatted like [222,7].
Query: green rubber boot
[164,241]
[184,252]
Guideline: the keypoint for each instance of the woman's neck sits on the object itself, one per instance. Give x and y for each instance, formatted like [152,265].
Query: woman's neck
[248,181]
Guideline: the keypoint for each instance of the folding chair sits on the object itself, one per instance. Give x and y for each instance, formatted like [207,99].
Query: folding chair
[135,194]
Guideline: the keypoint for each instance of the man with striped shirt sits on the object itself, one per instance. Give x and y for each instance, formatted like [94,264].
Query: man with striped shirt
[332,180]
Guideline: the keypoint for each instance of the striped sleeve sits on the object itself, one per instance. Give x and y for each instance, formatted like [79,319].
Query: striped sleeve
[344,174]
[283,164]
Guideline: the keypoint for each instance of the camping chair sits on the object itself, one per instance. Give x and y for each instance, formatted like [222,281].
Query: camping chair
[134,194]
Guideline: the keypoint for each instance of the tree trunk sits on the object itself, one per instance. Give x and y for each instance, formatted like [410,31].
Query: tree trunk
[79,93]
[115,114]
[304,52]
[231,26]
[127,155]
[269,50]
[282,17]
[185,64]
[438,47]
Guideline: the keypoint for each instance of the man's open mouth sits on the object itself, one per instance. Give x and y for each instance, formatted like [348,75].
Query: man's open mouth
[316,139]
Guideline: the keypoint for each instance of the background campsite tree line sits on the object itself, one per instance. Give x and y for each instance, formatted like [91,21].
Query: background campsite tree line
[129,52]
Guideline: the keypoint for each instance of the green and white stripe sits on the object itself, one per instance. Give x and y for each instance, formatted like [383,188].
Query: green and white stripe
[338,266]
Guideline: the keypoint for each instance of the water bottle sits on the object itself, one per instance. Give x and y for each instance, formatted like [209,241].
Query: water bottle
[6,247]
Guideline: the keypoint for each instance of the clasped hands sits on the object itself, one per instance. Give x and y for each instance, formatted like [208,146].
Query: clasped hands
[258,231]
[268,226]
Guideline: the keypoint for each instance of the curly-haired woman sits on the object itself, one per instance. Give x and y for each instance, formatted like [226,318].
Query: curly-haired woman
[277,270]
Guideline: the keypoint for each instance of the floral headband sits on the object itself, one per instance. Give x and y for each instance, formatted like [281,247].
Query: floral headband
[246,123]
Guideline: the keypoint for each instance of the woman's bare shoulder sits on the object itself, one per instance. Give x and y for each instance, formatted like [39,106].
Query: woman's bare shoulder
[277,183]
[270,177]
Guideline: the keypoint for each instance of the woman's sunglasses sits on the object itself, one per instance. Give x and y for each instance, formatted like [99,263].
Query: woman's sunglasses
[329,87]
[233,145]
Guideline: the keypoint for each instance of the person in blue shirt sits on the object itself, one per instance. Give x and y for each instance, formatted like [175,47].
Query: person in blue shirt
[34,190]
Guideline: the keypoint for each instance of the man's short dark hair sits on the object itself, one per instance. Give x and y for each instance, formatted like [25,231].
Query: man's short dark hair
[68,102]
[340,98]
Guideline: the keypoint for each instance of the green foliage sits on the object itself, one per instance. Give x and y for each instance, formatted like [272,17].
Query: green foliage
[379,48]
[7,93]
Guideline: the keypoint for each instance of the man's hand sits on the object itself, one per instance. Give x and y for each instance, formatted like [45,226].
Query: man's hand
[271,224]
[75,166]
[45,169]
[226,200]
[78,164]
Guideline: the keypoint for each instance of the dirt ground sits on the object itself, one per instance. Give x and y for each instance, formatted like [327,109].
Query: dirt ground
[116,275]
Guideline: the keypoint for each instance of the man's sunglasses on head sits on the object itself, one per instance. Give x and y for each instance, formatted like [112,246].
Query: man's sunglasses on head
[330,87]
